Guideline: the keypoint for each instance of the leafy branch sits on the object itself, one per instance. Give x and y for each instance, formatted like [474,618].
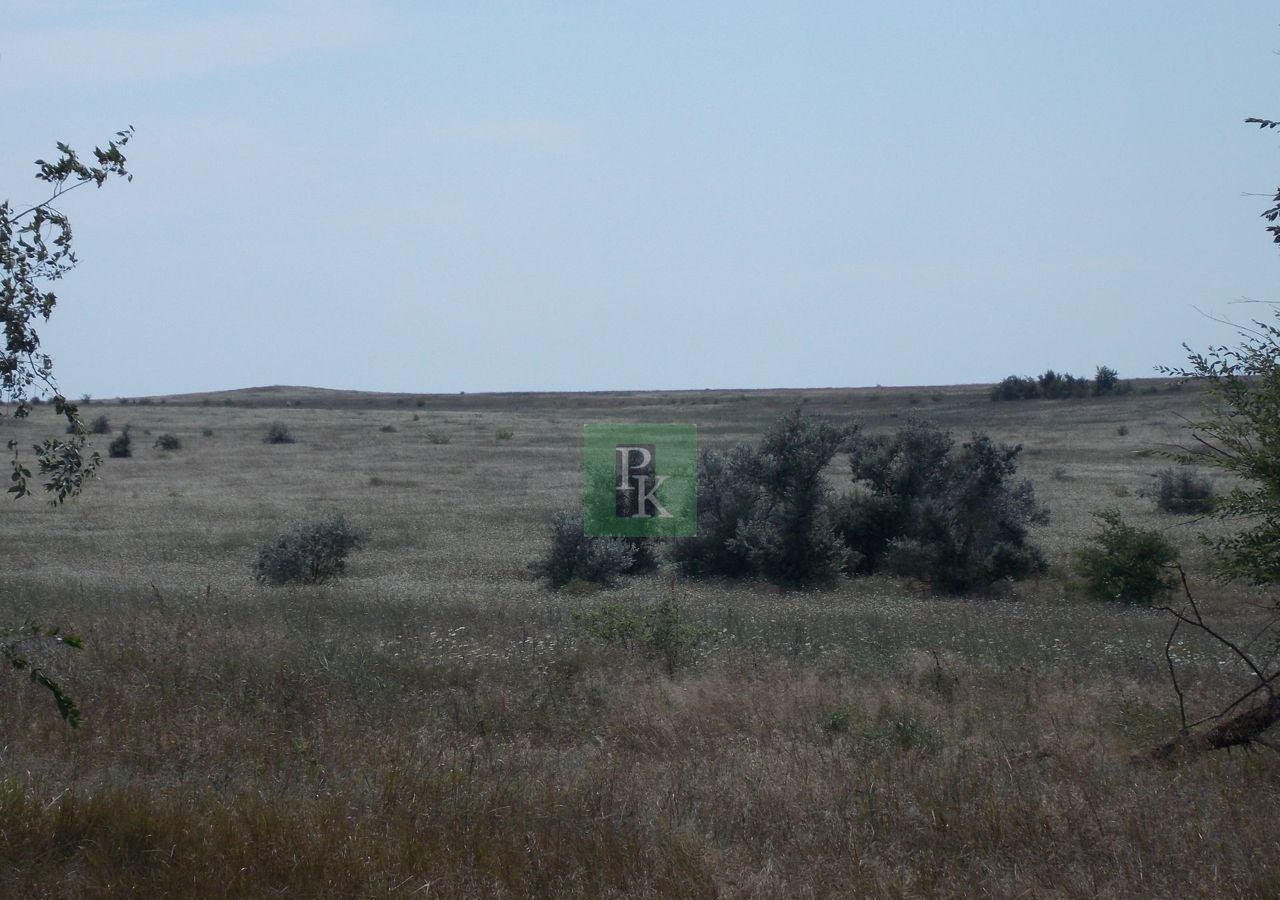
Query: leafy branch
[35,250]
[19,647]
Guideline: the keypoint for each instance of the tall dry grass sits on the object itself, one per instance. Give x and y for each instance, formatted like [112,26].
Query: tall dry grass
[434,725]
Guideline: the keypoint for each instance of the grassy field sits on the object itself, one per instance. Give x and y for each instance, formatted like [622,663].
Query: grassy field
[435,725]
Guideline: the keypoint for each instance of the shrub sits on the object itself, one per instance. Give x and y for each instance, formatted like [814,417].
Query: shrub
[658,631]
[766,511]
[168,442]
[504,434]
[308,553]
[1183,491]
[122,446]
[437,437]
[890,472]
[576,556]
[207,432]
[1054,386]
[1105,380]
[1126,563]
[949,516]
[388,429]
[728,494]
[278,433]
[792,541]
[1016,387]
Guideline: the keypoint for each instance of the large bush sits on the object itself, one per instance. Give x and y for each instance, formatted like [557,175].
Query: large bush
[1125,563]
[574,555]
[790,539]
[890,473]
[950,516]
[767,511]
[308,553]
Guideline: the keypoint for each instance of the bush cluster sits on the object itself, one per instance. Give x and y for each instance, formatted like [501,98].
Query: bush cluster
[1059,386]
[917,504]
[308,553]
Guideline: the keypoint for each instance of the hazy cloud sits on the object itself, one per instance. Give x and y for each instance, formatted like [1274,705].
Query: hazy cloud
[139,53]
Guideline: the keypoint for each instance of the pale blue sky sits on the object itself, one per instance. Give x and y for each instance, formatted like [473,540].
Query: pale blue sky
[475,196]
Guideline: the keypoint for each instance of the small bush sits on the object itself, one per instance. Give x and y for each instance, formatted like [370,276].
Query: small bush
[1123,430]
[388,429]
[1126,563]
[100,425]
[504,434]
[208,432]
[308,553]
[1183,491]
[278,434]
[437,437]
[168,442]
[122,446]
[658,631]
[575,556]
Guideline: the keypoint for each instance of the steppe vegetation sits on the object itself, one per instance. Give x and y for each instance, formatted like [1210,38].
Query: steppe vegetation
[436,722]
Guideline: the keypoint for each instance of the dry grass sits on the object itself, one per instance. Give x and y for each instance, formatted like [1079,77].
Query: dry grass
[433,725]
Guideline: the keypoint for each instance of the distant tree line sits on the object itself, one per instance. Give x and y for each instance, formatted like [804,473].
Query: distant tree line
[1060,386]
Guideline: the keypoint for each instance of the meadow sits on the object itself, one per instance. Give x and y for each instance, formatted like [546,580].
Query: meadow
[435,724]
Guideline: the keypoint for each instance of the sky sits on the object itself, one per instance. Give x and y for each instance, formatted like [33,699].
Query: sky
[474,196]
